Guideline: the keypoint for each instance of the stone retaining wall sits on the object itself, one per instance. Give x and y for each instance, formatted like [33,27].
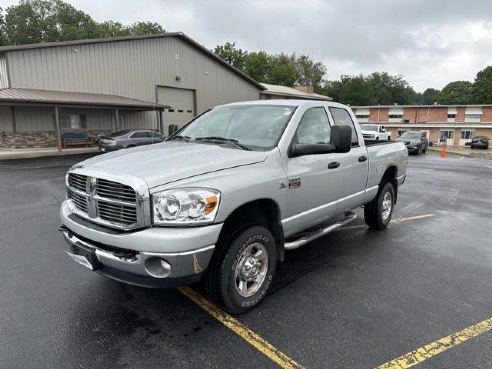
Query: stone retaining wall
[34,139]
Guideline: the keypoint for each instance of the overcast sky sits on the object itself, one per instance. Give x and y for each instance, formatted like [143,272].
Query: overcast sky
[428,42]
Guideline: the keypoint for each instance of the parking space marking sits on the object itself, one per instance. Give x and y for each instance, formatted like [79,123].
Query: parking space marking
[394,221]
[241,330]
[488,166]
[423,353]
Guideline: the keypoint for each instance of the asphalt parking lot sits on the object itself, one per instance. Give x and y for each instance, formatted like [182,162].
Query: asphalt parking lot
[353,299]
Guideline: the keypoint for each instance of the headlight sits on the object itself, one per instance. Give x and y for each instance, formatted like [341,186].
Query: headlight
[185,206]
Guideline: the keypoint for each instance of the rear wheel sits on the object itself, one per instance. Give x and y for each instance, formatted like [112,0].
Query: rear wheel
[377,214]
[242,270]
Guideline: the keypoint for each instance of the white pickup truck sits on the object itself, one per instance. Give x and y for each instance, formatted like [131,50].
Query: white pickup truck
[227,195]
[375,132]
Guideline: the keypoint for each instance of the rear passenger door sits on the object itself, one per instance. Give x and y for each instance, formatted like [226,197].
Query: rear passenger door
[354,165]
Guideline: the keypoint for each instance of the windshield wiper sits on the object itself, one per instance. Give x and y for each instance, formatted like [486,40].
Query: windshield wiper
[179,137]
[229,140]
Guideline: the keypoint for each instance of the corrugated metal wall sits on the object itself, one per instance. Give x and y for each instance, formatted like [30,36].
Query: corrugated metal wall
[34,119]
[42,119]
[6,118]
[131,69]
[4,79]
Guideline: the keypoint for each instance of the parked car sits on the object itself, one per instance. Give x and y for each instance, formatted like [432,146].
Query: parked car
[128,138]
[479,142]
[375,132]
[227,195]
[415,141]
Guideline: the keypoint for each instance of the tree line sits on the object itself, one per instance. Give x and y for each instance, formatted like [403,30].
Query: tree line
[33,21]
[378,88]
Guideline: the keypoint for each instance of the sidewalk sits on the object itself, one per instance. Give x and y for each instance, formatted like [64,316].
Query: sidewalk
[463,151]
[50,151]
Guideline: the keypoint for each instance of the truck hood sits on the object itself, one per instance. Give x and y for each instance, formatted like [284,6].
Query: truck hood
[168,162]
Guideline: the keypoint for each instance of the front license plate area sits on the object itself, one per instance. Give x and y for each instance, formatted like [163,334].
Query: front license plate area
[85,256]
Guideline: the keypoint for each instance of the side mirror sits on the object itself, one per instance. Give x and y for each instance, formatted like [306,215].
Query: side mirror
[310,149]
[341,138]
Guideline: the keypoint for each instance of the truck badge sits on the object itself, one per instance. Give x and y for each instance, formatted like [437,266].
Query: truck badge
[294,183]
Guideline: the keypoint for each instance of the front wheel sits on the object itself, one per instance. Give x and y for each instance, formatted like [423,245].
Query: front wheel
[377,214]
[243,269]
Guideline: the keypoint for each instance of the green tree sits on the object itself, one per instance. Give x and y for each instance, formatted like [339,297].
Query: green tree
[146,28]
[309,72]
[111,29]
[46,20]
[3,37]
[429,96]
[389,89]
[356,90]
[283,71]
[482,88]
[231,54]
[458,92]
[258,65]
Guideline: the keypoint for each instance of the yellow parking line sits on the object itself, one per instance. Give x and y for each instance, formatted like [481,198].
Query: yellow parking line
[432,349]
[241,330]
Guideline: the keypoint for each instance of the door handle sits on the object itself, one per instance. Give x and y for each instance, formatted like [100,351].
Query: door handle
[333,165]
[362,158]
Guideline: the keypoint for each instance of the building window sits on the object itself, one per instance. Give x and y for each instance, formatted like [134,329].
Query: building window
[446,135]
[72,121]
[451,116]
[467,135]
[396,116]
[473,116]
[362,116]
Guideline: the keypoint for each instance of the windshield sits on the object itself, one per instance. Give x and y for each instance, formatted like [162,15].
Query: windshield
[254,126]
[367,127]
[410,135]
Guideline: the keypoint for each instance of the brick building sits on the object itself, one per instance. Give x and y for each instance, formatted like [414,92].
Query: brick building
[453,124]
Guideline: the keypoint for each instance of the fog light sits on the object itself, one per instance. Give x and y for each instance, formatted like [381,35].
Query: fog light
[157,267]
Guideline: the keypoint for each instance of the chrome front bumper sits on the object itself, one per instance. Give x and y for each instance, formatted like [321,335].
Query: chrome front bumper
[126,256]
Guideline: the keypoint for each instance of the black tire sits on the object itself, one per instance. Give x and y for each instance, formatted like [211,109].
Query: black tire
[226,274]
[373,211]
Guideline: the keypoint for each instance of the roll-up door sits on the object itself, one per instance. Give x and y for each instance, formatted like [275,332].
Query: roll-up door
[182,104]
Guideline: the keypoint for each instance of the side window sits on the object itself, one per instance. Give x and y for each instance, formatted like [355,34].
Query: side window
[142,134]
[155,135]
[342,117]
[313,127]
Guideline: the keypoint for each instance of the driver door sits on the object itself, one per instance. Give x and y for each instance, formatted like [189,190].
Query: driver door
[312,179]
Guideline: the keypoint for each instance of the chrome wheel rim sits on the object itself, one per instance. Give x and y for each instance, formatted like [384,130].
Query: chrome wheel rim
[386,206]
[251,270]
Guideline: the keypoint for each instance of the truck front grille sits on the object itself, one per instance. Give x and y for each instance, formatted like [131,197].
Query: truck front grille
[102,201]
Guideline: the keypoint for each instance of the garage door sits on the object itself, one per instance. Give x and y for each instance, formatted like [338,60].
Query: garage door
[182,104]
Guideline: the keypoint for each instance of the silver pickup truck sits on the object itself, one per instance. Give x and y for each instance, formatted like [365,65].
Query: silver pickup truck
[225,196]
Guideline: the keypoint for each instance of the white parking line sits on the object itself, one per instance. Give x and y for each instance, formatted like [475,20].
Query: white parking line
[488,166]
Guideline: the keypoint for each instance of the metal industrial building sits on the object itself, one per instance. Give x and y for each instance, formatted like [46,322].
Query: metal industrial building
[102,85]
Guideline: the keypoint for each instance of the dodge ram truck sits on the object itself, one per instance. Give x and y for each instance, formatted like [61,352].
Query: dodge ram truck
[223,198]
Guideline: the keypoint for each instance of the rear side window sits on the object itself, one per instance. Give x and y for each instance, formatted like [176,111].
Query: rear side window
[342,117]
[142,134]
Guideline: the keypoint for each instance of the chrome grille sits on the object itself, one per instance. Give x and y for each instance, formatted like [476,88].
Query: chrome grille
[78,200]
[105,202]
[120,213]
[115,191]
[77,181]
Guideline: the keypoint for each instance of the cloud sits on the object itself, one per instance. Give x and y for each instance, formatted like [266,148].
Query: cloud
[430,43]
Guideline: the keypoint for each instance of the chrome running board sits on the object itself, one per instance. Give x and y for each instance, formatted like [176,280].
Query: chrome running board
[311,236]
